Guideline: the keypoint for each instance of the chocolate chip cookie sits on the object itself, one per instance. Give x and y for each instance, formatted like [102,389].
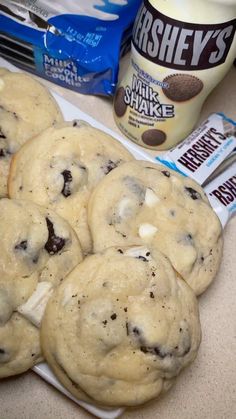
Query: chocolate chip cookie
[145,203]
[38,250]
[121,327]
[60,168]
[26,109]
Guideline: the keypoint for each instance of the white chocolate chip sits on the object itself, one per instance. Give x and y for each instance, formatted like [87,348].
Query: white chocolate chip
[147,230]
[124,208]
[177,181]
[68,292]
[2,84]
[151,199]
[136,252]
[33,309]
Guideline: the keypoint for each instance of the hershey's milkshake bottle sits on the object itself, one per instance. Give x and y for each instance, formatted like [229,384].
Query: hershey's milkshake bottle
[181,49]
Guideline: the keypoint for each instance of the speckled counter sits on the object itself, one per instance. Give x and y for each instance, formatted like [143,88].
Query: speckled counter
[206,390]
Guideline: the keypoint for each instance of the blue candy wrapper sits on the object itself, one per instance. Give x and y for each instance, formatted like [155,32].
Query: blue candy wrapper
[76,44]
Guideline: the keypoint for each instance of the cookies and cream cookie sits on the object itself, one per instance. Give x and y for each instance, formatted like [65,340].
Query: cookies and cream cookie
[121,327]
[19,346]
[145,203]
[38,250]
[61,166]
[26,109]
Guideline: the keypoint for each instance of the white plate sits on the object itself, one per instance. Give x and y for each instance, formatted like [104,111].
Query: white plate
[72,112]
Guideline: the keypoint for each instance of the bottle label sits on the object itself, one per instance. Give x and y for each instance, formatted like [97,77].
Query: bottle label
[181,45]
[140,96]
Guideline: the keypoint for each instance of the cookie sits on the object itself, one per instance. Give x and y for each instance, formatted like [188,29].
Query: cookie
[143,202]
[38,250]
[26,109]
[61,166]
[19,346]
[121,327]
[182,87]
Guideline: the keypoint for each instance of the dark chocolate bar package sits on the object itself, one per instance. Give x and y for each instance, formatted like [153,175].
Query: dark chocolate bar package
[76,44]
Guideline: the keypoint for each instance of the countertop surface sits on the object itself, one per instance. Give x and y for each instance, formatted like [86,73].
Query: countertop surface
[207,389]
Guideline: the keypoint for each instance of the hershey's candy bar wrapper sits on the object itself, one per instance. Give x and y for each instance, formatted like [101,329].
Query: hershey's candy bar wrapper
[76,44]
[208,156]
[199,155]
[221,192]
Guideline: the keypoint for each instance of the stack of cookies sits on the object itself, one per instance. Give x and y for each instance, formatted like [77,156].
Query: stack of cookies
[102,256]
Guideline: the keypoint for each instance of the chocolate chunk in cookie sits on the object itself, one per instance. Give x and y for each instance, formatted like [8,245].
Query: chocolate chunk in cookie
[67,180]
[22,245]
[193,193]
[54,243]
[109,166]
